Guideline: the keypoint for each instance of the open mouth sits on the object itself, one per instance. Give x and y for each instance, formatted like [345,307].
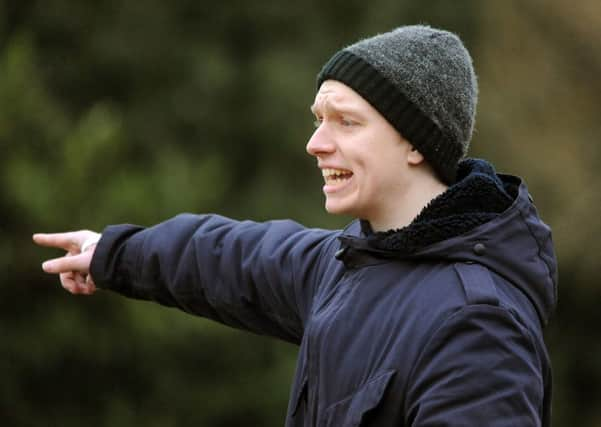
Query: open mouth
[336,176]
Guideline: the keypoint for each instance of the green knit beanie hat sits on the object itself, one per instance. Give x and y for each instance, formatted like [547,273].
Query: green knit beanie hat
[422,81]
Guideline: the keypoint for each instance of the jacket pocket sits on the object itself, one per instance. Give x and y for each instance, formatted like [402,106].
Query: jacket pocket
[350,411]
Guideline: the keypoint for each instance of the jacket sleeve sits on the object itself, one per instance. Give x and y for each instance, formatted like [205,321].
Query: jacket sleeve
[479,368]
[255,276]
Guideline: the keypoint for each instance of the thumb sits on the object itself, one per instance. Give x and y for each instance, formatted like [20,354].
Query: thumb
[68,263]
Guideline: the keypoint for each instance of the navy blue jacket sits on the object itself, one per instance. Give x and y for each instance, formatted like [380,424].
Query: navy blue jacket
[438,324]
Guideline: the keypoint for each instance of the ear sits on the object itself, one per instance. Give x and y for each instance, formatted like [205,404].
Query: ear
[414,157]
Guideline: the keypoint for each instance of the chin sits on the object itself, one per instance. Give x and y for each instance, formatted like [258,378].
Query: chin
[338,208]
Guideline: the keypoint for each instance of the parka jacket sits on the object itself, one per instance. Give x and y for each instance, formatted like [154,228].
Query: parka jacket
[436,324]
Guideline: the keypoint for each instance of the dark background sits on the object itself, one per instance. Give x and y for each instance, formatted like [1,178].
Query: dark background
[124,111]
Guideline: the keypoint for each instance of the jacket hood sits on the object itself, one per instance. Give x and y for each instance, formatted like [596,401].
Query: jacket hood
[484,217]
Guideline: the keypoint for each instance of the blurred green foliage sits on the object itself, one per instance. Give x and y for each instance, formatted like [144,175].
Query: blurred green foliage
[114,111]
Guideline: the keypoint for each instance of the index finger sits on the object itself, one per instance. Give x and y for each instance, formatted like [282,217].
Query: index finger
[69,241]
[67,264]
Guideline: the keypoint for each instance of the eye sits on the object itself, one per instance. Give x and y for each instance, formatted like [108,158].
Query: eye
[318,122]
[347,122]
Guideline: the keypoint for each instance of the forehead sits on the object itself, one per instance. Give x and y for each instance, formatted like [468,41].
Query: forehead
[336,94]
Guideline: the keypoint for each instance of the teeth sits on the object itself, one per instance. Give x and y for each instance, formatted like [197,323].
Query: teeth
[333,172]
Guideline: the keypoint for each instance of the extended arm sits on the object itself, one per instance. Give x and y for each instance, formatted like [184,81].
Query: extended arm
[255,276]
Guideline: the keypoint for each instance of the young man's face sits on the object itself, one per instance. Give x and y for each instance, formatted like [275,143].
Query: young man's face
[362,157]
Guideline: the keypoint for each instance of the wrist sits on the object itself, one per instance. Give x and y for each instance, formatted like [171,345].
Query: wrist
[90,241]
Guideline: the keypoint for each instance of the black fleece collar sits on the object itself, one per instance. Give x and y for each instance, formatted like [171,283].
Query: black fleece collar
[477,197]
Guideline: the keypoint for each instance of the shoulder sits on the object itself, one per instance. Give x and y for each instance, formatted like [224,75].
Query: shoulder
[450,286]
[433,293]
[478,308]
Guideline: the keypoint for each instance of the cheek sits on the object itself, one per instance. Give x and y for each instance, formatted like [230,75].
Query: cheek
[383,172]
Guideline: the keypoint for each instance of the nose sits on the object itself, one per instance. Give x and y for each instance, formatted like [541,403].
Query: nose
[320,142]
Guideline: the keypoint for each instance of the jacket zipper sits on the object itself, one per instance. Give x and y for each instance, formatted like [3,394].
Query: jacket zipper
[313,379]
[312,342]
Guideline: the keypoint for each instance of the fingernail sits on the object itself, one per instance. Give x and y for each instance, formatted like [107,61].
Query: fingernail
[45,266]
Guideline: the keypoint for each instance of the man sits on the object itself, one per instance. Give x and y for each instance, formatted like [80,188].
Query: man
[427,310]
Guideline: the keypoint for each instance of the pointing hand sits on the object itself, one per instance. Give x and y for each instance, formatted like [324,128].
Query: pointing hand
[73,268]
